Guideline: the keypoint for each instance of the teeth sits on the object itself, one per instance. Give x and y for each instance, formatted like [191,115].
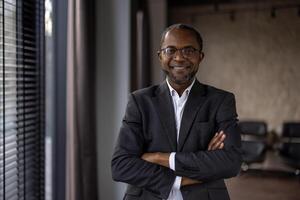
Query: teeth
[179,66]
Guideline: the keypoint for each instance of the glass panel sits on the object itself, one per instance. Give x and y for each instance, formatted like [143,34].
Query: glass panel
[21,157]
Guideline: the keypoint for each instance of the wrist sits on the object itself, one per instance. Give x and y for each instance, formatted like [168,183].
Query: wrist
[163,159]
[187,181]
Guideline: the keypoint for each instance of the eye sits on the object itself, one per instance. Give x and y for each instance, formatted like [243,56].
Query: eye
[188,51]
[170,51]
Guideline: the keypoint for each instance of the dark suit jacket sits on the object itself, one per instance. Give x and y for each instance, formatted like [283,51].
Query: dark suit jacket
[149,126]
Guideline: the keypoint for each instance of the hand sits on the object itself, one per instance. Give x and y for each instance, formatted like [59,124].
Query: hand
[157,158]
[187,181]
[217,142]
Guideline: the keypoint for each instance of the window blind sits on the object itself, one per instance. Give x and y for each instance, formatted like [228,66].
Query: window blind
[21,99]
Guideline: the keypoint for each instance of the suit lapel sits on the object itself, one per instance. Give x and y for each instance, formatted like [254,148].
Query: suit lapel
[195,100]
[164,105]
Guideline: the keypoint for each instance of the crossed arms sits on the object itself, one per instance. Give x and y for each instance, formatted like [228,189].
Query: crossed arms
[217,142]
[131,165]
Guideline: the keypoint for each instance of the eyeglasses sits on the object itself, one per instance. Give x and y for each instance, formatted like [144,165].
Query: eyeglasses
[186,52]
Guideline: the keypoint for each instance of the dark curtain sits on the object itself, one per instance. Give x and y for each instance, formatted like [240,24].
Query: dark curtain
[140,42]
[81,159]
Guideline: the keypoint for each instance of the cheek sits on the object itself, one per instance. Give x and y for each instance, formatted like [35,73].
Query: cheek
[196,63]
[164,63]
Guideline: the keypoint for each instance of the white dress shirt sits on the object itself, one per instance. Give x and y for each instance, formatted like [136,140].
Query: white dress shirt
[178,103]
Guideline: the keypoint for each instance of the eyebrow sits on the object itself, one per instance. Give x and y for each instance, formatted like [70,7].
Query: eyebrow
[171,46]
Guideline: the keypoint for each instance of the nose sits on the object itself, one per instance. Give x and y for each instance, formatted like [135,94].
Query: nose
[178,55]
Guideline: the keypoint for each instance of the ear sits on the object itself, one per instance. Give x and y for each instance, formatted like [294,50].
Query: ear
[159,55]
[201,56]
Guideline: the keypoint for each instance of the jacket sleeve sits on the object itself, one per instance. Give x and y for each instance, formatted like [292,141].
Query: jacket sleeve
[127,165]
[217,164]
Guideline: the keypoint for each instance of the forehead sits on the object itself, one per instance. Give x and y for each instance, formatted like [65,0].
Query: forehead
[180,38]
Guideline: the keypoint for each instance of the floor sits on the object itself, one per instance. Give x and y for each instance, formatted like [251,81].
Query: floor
[264,186]
[271,180]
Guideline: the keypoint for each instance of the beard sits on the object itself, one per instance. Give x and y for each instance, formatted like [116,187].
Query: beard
[180,81]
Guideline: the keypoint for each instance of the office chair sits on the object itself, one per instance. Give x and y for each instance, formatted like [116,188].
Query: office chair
[254,143]
[290,148]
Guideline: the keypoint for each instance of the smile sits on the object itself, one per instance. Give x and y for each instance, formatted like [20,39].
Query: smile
[180,67]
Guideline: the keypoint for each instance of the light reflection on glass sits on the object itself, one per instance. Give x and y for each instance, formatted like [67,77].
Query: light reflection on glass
[48,17]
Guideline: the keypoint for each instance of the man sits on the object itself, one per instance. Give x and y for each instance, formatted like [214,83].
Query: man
[167,146]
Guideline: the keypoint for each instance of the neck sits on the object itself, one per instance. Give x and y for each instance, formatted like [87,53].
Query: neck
[180,87]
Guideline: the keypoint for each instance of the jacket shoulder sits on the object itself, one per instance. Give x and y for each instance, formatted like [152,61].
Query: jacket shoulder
[213,91]
[145,92]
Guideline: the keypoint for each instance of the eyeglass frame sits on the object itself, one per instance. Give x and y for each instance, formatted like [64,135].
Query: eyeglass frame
[186,57]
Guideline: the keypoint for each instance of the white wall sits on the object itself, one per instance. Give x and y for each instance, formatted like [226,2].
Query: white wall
[113,48]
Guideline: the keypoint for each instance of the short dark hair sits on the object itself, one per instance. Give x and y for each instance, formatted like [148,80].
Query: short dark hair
[184,27]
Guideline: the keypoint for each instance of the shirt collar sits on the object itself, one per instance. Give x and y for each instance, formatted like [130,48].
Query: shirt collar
[173,91]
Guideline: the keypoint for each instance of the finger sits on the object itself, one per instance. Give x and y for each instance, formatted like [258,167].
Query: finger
[220,140]
[216,139]
[213,140]
[221,145]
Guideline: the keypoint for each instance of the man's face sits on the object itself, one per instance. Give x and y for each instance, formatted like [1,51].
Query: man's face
[180,68]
